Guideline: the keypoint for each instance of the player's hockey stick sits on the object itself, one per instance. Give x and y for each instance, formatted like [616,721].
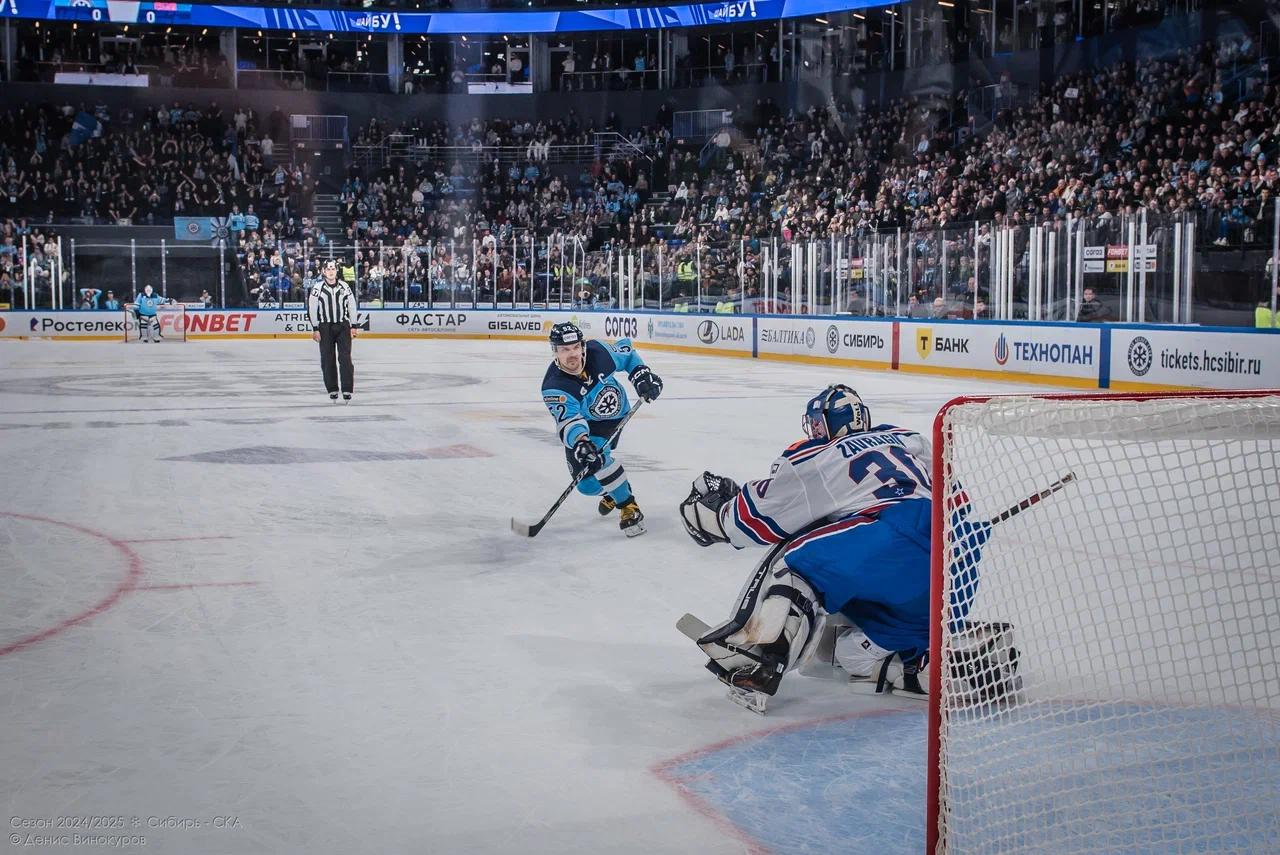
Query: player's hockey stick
[527,530]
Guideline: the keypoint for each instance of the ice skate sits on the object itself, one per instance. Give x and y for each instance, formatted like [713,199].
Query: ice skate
[632,522]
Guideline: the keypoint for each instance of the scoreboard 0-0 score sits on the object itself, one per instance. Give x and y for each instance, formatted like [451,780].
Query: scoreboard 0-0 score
[122,12]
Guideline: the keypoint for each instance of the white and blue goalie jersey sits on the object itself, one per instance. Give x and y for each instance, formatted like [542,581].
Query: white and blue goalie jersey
[593,402]
[823,479]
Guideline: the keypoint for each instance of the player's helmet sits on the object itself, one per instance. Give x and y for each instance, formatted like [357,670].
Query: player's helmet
[835,412]
[565,333]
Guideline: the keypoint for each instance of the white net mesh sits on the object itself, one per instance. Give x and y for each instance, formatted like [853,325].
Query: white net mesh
[171,323]
[1145,711]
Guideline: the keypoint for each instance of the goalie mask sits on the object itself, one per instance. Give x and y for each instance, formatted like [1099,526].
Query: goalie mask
[834,412]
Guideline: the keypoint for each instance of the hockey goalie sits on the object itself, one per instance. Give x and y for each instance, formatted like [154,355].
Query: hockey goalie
[846,516]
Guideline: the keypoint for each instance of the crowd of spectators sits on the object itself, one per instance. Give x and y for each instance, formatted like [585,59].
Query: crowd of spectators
[89,165]
[491,210]
[1193,134]
[1165,136]
[28,262]
[481,207]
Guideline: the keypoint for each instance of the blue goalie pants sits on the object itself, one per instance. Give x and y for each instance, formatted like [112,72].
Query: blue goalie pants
[874,568]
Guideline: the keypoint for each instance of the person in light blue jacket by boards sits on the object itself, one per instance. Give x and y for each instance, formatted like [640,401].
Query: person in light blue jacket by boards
[145,306]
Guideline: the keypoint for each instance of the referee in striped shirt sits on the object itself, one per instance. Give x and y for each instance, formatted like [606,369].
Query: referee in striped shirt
[331,308]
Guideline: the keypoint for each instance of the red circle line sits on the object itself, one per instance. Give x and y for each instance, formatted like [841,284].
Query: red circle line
[125,585]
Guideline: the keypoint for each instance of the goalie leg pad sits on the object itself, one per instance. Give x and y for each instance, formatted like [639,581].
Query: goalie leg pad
[984,662]
[822,661]
[777,626]
[858,655]
[877,670]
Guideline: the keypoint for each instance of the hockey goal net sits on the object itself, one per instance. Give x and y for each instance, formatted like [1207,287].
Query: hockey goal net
[1130,699]
[171,323]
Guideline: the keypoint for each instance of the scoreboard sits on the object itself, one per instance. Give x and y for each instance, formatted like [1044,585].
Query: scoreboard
[81,10]
[115,11]
[164,13]
[310,19]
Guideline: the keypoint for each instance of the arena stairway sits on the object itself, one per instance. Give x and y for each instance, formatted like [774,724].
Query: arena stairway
[327,212]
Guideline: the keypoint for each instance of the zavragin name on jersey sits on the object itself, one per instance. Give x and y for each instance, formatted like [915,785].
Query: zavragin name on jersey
[821,479]
[851,445]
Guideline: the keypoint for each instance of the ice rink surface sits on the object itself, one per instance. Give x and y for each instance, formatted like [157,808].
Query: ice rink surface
[228,598]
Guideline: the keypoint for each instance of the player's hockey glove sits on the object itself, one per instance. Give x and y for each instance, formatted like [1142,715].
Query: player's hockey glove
[700,512]
[648,385]
[587,457]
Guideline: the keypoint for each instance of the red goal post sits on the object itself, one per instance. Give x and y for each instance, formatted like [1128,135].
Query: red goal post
[1142,598]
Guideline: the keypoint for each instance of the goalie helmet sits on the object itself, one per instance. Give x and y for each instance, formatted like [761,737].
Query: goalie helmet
[834,412]
[565,333]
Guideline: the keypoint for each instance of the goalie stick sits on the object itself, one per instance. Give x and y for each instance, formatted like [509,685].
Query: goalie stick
[1033,499]
[696,629]
[532,529]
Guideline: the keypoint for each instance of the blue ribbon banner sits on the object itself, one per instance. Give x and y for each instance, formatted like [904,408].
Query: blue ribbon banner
[437,23]
[206,229]
[192,228]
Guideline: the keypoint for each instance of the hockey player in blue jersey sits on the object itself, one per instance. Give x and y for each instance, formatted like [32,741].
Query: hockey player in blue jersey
[847,514]
[145,307]
[588,404]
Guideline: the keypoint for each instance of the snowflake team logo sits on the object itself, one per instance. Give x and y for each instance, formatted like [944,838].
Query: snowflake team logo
[608,404]
[1139,355]
[833,339]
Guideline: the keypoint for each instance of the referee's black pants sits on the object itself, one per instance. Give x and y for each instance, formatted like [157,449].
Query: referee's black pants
[335,354]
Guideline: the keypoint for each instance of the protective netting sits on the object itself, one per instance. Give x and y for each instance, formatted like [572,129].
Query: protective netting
[1145,711]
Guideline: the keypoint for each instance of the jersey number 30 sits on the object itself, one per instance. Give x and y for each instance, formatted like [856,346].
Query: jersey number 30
[897,483]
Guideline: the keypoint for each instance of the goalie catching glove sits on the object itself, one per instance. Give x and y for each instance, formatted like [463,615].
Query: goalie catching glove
[700,511]
[648,385]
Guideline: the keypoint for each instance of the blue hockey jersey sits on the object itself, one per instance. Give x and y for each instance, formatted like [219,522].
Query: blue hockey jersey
[593,402]
[146,306]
